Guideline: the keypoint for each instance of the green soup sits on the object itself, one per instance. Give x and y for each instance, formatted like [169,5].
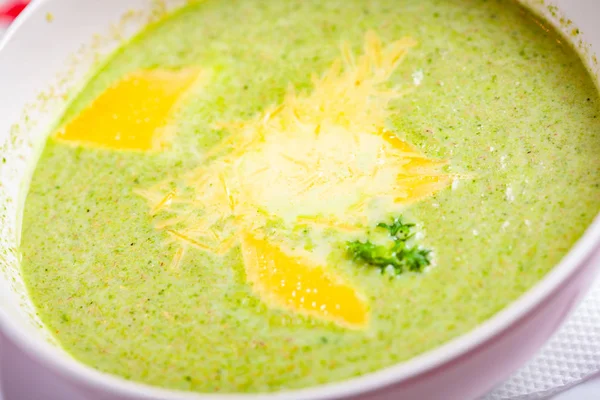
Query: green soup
[504,101]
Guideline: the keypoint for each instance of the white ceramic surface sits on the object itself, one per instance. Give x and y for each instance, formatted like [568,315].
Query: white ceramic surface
[38,55]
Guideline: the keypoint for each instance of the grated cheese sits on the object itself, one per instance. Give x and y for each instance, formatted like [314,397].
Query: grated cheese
[319,158]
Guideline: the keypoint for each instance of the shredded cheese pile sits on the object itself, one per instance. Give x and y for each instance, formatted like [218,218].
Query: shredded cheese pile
[320,158]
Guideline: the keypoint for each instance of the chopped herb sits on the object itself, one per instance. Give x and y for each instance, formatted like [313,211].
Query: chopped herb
[400,255]
[398,229]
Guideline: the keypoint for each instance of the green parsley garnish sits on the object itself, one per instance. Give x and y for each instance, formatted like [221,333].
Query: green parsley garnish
[400,255]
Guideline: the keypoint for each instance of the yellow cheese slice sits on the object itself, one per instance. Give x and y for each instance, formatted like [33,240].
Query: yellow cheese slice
[133,113]
[291,283]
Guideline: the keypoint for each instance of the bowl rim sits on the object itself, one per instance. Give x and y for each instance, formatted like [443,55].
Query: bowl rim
[66,366]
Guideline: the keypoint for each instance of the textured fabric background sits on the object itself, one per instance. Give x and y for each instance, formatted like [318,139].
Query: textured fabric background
[570,357]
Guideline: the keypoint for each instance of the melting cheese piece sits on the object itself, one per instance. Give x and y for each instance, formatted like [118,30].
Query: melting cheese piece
[133,113]
[291,283]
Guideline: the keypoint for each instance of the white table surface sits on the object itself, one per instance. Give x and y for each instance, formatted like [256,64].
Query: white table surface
[589,390]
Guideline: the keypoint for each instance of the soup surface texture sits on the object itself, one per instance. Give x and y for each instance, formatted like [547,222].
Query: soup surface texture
[162,253]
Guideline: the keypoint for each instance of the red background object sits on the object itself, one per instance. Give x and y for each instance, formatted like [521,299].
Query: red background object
[10,11]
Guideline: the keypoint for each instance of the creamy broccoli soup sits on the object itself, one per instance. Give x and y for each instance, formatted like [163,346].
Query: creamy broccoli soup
[253,195]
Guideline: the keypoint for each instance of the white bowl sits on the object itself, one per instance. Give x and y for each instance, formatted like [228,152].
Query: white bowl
[39,56]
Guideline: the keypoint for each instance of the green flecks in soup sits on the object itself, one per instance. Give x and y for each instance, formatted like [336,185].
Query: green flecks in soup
[511,109]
